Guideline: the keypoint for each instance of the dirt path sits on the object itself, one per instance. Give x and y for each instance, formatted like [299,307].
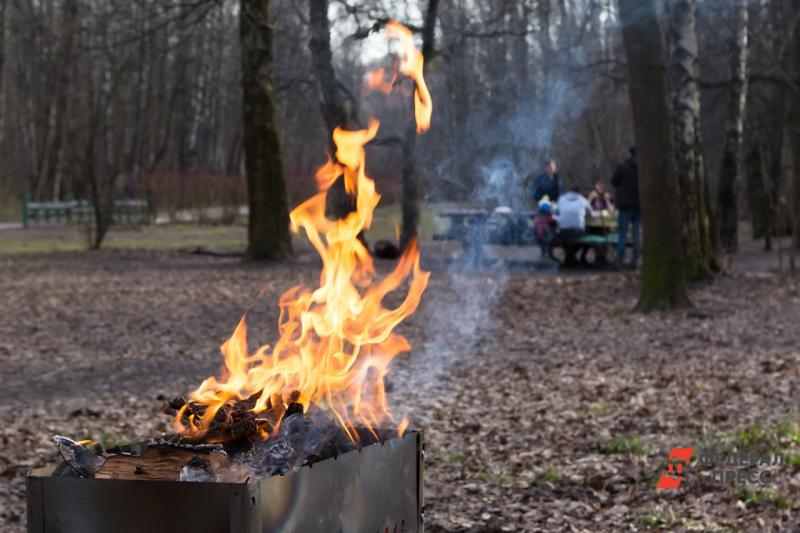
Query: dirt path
[546,403]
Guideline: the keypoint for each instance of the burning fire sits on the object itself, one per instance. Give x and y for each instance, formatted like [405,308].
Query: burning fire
[336,341]
[410,65]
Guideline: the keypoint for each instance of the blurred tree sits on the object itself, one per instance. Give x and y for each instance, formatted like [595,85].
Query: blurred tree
[794,131]
[731,165]
[663,275]
[333,102]
[689,159]
[410,199]
[268,229]
[332,97]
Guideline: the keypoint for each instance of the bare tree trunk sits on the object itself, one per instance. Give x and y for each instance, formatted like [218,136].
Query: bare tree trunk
[775,130]
[268,228]
[55,165]
[544,11]
[663,276]
[794,136]
[460,179]
[3,7]
[101,190]
[410,200]
[731,165]
[332,101]
[690,163]
[182,98]
[758,197]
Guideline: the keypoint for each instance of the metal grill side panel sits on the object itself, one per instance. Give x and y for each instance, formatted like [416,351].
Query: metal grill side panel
[360,492]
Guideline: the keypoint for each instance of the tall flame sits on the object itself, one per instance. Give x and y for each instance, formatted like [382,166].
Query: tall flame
[335,342]
[410,65]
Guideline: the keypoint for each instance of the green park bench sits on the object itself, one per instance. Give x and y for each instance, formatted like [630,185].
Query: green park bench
[599,240]
[82,212]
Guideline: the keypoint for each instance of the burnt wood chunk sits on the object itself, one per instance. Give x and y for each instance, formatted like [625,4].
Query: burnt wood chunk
[157,463]
[243,429]
[177,402]
[235,421]
[250,402]
[294,409]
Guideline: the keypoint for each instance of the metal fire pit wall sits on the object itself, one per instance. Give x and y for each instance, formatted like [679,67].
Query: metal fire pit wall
[375,490]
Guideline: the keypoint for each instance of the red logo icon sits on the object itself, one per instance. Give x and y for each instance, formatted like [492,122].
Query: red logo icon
[671,477]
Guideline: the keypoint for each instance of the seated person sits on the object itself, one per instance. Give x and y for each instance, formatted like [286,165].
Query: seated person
[600,198]
[544,229]
[571,217]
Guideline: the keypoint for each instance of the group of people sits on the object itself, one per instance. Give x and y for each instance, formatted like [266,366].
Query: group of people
[562,217]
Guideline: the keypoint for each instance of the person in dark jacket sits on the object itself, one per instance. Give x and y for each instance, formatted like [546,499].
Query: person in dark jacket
[626,183]
[547,183]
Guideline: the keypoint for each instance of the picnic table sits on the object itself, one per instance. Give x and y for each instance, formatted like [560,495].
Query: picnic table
[601,234]
[474,227]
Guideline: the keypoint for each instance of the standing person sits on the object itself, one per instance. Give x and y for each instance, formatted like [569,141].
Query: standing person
[626,183]
[571,217]
[548,183]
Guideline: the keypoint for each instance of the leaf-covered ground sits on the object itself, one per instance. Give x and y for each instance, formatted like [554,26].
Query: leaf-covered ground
[546,403]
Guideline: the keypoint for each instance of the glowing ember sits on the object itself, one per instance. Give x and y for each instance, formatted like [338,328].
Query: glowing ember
[336,342]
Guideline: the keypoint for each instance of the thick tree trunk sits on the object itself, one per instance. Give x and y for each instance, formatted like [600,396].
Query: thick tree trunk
[411,195]
[794,133]
[332,102]
[3,4]
[731,165]
[689,160]
[663,275]
[268,229]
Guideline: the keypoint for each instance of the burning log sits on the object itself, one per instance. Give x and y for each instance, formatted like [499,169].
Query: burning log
[243,428]
[157,463]
[170,464]
[235,421]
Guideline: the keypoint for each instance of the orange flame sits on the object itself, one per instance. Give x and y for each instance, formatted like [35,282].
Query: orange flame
[335,342]
[411,65]
[401,428]
[376,79]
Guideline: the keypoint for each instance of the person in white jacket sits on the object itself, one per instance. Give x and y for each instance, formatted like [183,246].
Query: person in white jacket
[571,214]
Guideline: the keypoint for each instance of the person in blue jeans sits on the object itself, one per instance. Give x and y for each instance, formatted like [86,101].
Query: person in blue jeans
[626,183]
[627,219]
